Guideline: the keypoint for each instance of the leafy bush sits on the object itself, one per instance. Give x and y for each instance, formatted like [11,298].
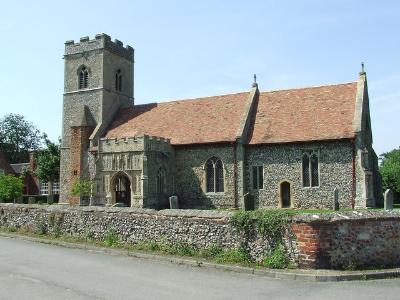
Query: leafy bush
[89,235]
[272,223]
[235,256]
[269,222]
[145,245]
[111,239]
[11,228]
[211,251]
[277,259]
[82,188]
[10,187]
[243,220]
[390,170]
[57,231]
[41,228]
[184,249]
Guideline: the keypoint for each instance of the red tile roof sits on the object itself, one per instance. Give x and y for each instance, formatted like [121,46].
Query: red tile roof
[296,115]
[203,120]
[306,114]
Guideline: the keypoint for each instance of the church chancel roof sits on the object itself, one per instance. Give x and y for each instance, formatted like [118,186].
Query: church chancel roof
[306,114]
[294,115]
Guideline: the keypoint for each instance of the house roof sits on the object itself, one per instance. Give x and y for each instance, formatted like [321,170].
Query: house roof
[305,114]
[195,121]
[294,115]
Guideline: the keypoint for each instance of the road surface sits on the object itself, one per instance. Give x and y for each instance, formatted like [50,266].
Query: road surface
[30,270]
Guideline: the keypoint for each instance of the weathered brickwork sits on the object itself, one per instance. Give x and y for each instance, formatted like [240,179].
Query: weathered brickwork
[345,240]
[284,163]
[79,151]
[355,241]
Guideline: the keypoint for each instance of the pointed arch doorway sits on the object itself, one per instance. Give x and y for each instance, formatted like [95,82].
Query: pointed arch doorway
[122,189]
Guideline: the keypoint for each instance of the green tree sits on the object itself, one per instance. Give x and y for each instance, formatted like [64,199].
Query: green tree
[11,187]
[18,137]
[48,165]
[390,170]
[82,188]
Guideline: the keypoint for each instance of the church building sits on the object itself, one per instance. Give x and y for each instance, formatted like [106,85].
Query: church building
[287,148]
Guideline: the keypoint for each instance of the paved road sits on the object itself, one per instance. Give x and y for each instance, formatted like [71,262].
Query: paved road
[30,270]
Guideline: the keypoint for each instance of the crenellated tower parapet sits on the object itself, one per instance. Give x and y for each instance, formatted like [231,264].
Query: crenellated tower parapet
[100,42]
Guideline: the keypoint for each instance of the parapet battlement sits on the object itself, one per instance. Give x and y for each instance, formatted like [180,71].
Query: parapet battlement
[137,143]
[101,41]
[135,139]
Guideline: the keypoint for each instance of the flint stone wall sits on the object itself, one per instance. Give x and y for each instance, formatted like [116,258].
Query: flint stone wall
[284,163]
[190,176]
[198,228]
[334,240]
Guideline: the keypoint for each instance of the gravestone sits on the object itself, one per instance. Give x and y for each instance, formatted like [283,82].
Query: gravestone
[336,199]
[50,199]
[173,202]
[388,200]
[248,200]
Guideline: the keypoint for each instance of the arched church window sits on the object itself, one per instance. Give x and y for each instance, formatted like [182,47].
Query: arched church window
[83,78]
[160,181]
[214,175]
[118,81]
[310,169]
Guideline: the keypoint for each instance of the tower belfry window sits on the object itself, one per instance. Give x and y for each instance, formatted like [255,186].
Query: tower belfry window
[83,78]
[118,80]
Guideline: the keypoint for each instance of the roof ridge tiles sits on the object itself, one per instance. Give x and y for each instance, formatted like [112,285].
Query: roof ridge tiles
[310,87]
[193,99]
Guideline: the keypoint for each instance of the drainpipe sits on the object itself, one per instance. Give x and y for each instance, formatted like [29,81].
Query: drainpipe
[235,203]
[353,192]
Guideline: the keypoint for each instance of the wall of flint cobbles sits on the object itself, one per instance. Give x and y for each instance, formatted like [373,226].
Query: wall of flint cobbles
[331,240]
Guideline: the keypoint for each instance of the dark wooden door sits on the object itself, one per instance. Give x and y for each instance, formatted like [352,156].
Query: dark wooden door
[285,194]
[123,191]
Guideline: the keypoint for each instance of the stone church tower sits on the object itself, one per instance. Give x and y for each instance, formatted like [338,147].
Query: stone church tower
[98,80]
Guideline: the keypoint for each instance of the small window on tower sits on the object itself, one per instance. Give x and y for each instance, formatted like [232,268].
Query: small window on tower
[118,81]
[83,78]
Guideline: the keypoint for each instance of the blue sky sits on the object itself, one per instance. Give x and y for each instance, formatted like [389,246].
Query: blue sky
[186,49]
